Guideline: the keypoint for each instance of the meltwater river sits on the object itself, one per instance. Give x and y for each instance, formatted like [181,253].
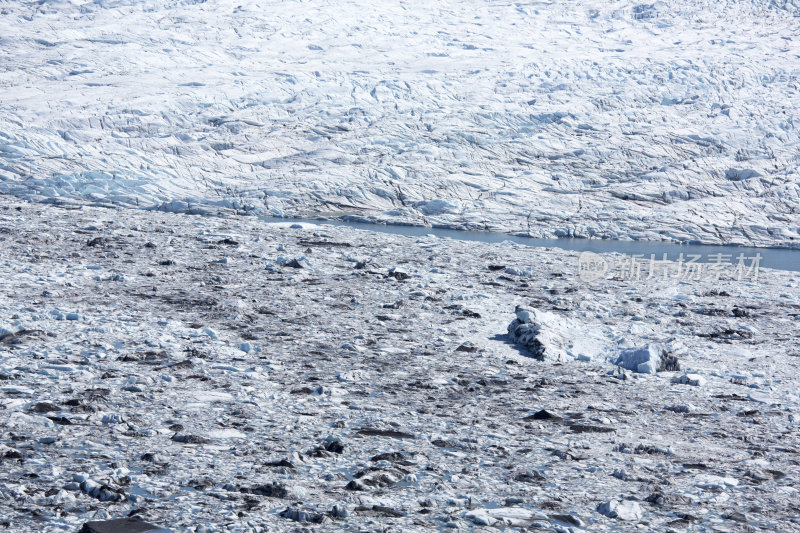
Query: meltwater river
[777,258]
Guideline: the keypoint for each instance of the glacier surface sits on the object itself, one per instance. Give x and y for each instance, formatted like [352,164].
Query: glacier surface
[615,119]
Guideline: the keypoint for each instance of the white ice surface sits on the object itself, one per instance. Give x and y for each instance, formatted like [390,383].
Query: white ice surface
[671,120]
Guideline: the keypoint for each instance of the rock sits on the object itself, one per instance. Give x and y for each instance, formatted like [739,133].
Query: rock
[648,359]
[302,515]
[377,432]
[270,490]
[297,262]
[124,525]
[282,463]
[587,428]
[339,511]
[100,242]
[190,439]
[467,347]
[695,380]
[542,415]
[44,407]
[333,445]
[355,485]
[391,457]
[568,519]
[659,498]
[624,510]
[531,476]
[102,492]
[399,275]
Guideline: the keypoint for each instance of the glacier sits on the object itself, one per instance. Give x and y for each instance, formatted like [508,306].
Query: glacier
[666,121]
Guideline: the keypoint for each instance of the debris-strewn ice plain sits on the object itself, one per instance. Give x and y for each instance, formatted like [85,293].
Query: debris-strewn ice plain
[164,357]
[618,119]
[227,374]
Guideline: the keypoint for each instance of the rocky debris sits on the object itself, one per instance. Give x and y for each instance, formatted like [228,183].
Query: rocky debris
[530,476]
[98,242]
[640,449]
[379,432]
[302,515]
[669,499]
[392,457]
[399,275]
[281,463]
[294,262]
[379,511]
[355,485]
[190,439]
[589,428]
[569,519]
[621,510]
[467,347]
[333,445]
[122,525]
[44,407]
[375,477]
[543,415]
[19,337]
[270,490]
[101,491]
[422,433]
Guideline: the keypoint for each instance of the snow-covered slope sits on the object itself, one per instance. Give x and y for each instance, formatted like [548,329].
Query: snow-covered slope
[589,118]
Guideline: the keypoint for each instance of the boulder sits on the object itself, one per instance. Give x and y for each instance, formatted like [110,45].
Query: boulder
[122,525]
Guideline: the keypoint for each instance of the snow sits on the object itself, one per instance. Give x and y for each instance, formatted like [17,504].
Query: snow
[664,121]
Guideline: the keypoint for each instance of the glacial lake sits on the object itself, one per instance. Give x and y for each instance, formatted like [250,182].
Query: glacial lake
[777,258]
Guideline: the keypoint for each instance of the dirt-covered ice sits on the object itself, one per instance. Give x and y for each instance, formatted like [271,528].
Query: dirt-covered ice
[171,367]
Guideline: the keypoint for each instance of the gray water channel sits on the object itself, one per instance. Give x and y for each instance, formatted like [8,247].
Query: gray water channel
[778,258]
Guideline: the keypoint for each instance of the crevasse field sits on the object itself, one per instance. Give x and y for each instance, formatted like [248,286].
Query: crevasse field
[672,120]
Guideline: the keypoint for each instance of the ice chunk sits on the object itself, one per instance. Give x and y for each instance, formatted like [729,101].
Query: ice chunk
[624,510]
[647,359]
